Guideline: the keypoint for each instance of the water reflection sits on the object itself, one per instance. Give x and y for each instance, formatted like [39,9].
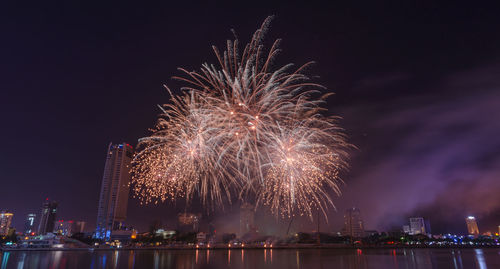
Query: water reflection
[297,258]
[156,259]
[480,258]
[56,259]
[394,258]
[255,258]
[131,259]
[20,261]
[457,259]
[5,259]
[103,261]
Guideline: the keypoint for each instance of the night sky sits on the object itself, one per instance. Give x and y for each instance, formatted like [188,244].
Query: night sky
[417,85]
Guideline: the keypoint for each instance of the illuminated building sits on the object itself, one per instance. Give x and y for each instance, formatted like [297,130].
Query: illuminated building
[472,226]
[48,217]
[163,234]
[353,224]
[69,227]
[29,225]
[188,222]
[63,227]
[113,200]
[5,221]
[247,219]
[419,226]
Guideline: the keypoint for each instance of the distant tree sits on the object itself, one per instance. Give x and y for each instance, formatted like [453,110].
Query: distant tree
[154,226]
[226,238]
[11,237]
[332,239]
[85,238]
[189,237]
[306,238]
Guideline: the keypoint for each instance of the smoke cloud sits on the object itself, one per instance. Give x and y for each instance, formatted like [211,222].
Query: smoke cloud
[436,155]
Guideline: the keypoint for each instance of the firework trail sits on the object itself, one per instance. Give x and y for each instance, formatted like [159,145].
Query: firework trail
[242,127]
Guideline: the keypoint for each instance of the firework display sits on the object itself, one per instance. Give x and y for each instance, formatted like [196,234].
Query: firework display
[244,130]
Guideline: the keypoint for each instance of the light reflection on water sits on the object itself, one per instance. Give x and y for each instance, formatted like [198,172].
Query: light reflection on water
[256,258]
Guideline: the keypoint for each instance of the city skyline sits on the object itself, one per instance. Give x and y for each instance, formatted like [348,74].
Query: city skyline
[353,224]
[412,94]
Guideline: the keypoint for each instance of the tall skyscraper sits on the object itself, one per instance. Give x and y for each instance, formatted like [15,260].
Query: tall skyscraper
[247,218]
[29,224]
[353,224]
[5,221]
[472,226]
[48,217]
[113,200]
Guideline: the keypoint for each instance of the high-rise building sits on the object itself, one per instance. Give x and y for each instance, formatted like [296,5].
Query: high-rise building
[5,221]
[113,199]
[353,224]
[472,226]
[417,226]
[29,225]
[48,217]
[247,218]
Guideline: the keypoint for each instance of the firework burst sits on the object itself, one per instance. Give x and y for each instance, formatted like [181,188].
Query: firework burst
[244,128]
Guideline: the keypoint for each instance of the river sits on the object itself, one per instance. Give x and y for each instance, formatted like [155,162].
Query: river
[400,258]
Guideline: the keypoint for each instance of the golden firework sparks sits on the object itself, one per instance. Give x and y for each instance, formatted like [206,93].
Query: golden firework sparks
[244,127]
